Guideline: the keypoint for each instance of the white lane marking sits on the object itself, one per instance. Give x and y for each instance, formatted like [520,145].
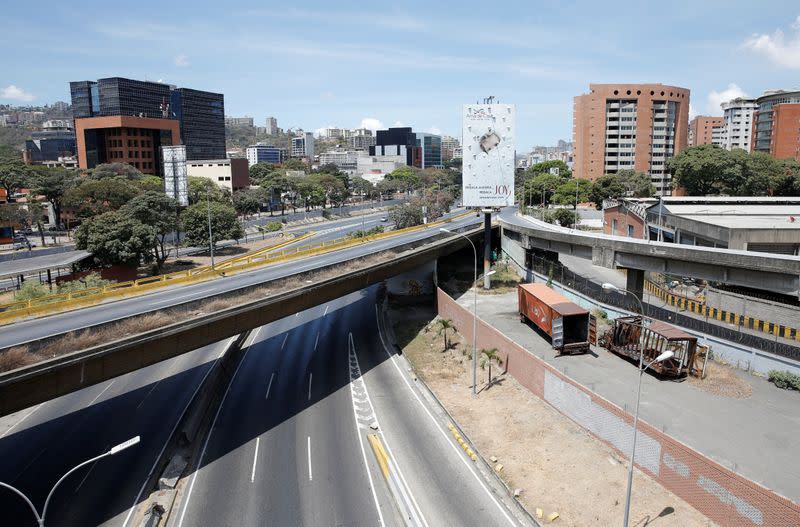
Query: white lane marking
[310,378]
[253,336]
[172,432]
[310,477]
[316,341]
[148,394]
[88,472]
[284,340]
[101,393]
[208,437]
[174,298]
[255,460]
[20,421]
[297,314]
[396,464]
[457,451]
[326,311]
[269,386]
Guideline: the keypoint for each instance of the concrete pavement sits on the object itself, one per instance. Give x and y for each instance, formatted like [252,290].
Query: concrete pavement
[286,448]
[38,445]
[737,433]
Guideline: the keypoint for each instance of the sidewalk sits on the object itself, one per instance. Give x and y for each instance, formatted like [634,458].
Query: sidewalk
[755,436]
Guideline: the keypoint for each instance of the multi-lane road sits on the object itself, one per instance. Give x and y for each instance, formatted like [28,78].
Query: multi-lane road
[288,445]
[31,330]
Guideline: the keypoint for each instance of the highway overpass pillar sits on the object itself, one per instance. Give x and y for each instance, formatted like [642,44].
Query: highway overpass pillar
[635,282]
[487,248]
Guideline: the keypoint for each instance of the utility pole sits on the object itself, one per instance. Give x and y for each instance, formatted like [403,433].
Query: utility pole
[210,234]
[487,248]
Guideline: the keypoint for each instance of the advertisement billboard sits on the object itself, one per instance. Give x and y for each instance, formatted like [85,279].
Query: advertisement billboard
[488,155]
[176,183]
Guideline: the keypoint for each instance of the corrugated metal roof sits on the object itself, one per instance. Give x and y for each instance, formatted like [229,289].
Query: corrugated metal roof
[558,302]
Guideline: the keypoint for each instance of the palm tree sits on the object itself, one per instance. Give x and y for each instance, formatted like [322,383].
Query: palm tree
[492,354]
[444,325]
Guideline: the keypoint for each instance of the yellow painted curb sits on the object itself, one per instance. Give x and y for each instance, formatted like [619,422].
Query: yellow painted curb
[380,454]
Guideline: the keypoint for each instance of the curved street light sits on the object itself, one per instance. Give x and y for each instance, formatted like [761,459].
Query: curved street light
[474,311]
[40,518]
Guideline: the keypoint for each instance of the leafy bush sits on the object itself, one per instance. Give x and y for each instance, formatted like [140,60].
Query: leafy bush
[600,314]
[361,234]
[273,226]
[784,379]
[31,290]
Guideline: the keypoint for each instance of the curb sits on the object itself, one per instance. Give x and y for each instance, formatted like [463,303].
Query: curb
[470,450]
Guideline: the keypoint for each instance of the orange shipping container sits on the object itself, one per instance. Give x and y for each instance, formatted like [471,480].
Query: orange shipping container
[564,321]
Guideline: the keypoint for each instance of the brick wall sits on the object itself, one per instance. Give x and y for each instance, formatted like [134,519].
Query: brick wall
[725,497]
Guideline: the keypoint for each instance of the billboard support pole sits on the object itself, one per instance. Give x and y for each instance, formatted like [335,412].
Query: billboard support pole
[487,248]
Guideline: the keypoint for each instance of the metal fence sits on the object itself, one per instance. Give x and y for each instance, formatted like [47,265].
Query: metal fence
[563,275]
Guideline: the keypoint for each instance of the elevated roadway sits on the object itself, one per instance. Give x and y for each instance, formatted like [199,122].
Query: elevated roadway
[772,272]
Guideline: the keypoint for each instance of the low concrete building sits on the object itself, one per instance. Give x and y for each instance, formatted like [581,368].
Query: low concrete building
[232,174]
[345,160]
[760,224]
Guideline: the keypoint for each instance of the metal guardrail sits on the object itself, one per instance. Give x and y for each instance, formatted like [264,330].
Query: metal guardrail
[60,302]
[700,308]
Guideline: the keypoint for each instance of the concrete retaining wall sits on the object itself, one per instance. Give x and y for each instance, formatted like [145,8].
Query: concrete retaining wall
[722,495]
[782,314]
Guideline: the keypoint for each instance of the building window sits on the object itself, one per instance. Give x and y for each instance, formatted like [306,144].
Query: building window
[630,231]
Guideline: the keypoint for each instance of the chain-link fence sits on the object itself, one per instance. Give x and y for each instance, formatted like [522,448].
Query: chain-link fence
[557,272]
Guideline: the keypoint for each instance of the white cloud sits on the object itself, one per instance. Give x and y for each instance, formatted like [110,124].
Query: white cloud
[181,61]
[398,124]
[780,50]
[371,123]
[16,94]
[692,111]
[434,130]
[716,98]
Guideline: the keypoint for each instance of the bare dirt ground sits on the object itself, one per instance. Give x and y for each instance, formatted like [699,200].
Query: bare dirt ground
[557,465]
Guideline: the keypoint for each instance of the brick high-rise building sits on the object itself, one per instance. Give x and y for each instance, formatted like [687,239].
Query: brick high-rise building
[117,107]
[776,124]
[630,126]
[704,130]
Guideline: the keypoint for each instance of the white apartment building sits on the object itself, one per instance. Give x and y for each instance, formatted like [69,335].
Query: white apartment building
[375,168]
[331,133]
[231,174]
[346,160]
[303,146]
[738,127]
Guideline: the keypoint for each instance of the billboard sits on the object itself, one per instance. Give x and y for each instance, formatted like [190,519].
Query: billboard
[488,155]
[176,183]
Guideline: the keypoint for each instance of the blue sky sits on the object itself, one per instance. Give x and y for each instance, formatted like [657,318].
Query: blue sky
[339,63]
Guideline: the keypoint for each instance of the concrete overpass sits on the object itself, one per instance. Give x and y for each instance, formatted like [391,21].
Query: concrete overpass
[30,385]
[772,272]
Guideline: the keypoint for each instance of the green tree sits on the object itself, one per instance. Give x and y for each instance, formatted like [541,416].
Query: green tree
[539,187]
[637,184]
[445,325]
[224,223]
[564,217]
[406,177]
[96,196]
[115,170]
[293,164]
[405,215]
[565,192]
[492,355]
[248,201]
[544,168]
[53,184]
[14,175]
[151,183]
[362,187]
[115,238]
[335,189]
[705,169]
[159,211]
[200,189]
[606,187]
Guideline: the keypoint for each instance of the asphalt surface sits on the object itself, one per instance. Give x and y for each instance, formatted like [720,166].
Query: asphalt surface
[286,445]
[39,444]
[30,330]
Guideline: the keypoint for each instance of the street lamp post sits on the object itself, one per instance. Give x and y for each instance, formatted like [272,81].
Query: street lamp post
[41,517]
[474,311]
[608,287]
[210,235]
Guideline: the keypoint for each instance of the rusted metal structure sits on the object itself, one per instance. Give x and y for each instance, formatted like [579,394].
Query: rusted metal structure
[565,322]
[630,337]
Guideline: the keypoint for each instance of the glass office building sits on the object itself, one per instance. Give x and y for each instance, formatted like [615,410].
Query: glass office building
[201,114]
[431,150]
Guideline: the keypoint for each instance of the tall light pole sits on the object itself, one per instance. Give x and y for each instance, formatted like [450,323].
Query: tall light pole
[474,311]
[608,287]
[40,518]
[210,235]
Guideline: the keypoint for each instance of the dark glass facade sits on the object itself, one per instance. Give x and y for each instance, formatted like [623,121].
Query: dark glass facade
[398,136]
[202,118]
[431,147]
[49,146]
[201,114]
